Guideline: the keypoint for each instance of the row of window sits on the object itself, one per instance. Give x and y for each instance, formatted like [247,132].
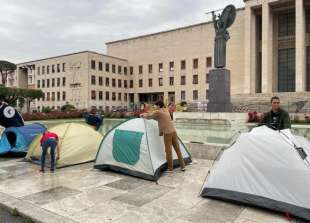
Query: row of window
[195,95]
[54,82]
[54,96]
[107,82]
[172,65]
[99,95]
[107,108]
[120,69]
[172,82]
[55,68]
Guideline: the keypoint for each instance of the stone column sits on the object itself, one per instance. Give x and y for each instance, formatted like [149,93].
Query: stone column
[250,51]
[300,46]
[267,48]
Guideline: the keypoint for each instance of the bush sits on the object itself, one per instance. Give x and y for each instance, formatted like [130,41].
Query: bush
[255,116]
[67,107]
[52,115]
[46,109]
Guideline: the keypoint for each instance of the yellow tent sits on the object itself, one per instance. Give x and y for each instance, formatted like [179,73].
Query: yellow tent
[78,144]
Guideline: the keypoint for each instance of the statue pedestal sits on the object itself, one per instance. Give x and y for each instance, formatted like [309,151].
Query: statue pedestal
[219,91]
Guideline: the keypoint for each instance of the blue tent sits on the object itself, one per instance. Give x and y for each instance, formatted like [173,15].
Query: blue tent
[17,139]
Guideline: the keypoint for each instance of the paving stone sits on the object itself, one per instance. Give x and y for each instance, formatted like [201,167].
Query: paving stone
[128,183]
[143,195]
[213,211]
[50,195]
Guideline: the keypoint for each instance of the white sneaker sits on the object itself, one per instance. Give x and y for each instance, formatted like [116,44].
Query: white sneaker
[183,169]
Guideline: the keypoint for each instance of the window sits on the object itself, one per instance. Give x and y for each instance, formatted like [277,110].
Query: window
[140,83]
[113,82]
[93,64]
[48,97]
[48,83]
[43,83]
[207,78]
[125,84]
[195,95]
[131,84]
[195,79]
[38,84]
[100,95]
[58,96]
[286,70]
[113,96]
[53,68]
[150,68]
[183,64]
[119,69]
[308,70]
[43,98]
[58,82]
[286,24]
[195,63]
[64,67]
[120,96]
[58,68]
[63,81]
[53,96]
[125,70]
[47,69]
[150,82]
[131,70]
[209,62]
[160,81]
[207,94]
[125,96]
[171,66]
[171,81]
[43,69]
[183,96]
[100,81]
[107,82]
[107,67]
[53,82]
[93,80]
[183,80]
[93,95]
[38,70]
[140,69]
[107,96]
[100,66]
[63,95]
[160,67]
[113,68]
[119,83]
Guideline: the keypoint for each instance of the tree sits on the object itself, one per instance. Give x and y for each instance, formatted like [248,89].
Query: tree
[67,107]
[6,68]
[11,95]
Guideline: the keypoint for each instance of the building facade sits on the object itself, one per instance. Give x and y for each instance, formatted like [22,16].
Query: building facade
[268,53]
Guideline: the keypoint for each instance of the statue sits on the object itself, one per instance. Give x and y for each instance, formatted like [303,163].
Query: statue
[221,24]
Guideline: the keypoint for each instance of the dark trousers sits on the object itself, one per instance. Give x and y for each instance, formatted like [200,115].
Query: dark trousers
[50,143]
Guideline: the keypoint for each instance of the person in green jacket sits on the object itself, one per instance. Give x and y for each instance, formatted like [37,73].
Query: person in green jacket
[277,117]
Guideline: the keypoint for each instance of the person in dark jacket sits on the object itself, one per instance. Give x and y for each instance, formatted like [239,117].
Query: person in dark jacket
[277,117]
[9,116]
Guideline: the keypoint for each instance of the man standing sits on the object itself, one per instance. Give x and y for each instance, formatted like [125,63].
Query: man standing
[167,129]
[277,117]
[49,140]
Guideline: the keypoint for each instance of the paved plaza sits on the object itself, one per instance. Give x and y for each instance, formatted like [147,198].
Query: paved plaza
[83,194]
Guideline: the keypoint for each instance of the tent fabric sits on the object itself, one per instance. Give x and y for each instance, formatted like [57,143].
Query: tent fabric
[135,148]
[17,139]
[262,168]
[78,144]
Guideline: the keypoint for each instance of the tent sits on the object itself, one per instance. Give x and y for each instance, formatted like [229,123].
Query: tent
[17,139]
[134,147]
[78,142]
[264,168]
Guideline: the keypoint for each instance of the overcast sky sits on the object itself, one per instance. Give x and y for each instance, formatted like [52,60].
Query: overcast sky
[34,29]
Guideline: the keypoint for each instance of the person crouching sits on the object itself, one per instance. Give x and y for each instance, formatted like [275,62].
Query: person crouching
[49,140]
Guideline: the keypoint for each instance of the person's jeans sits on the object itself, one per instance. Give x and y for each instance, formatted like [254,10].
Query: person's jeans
[50,143]
[172,140]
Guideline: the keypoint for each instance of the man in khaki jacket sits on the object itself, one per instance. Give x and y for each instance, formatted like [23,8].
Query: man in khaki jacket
[167,129]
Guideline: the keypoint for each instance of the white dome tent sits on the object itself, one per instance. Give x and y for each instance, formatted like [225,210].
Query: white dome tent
[134,147]
[265,168]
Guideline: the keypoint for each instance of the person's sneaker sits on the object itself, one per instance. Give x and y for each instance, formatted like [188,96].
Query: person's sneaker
[41,171]
[183,169]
